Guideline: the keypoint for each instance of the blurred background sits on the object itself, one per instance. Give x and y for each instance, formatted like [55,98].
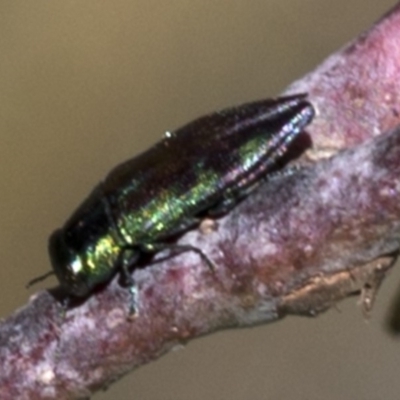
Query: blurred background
[86,85]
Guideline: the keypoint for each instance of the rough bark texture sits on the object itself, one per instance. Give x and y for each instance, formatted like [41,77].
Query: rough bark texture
[296,246]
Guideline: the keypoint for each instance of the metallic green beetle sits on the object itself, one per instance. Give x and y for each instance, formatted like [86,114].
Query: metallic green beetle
[202,169]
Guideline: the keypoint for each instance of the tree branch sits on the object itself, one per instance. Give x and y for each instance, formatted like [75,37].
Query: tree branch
[296,246]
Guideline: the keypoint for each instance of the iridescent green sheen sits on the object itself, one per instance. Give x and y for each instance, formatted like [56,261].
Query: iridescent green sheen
[202,169]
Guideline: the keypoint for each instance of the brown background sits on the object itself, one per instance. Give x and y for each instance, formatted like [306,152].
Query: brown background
[87,84]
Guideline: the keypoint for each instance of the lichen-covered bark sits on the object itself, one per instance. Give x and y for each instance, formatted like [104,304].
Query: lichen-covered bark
[298,245]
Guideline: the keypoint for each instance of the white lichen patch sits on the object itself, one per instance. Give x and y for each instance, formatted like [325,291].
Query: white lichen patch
[46,375]
[115,317]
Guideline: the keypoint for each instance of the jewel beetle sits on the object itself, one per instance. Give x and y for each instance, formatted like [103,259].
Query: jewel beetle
[202,169]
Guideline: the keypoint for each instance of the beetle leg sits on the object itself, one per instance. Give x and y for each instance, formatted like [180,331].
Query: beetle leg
[187,247]
[129,257]
[176,249]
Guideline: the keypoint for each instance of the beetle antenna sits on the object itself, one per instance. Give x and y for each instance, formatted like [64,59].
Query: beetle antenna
[39,279]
